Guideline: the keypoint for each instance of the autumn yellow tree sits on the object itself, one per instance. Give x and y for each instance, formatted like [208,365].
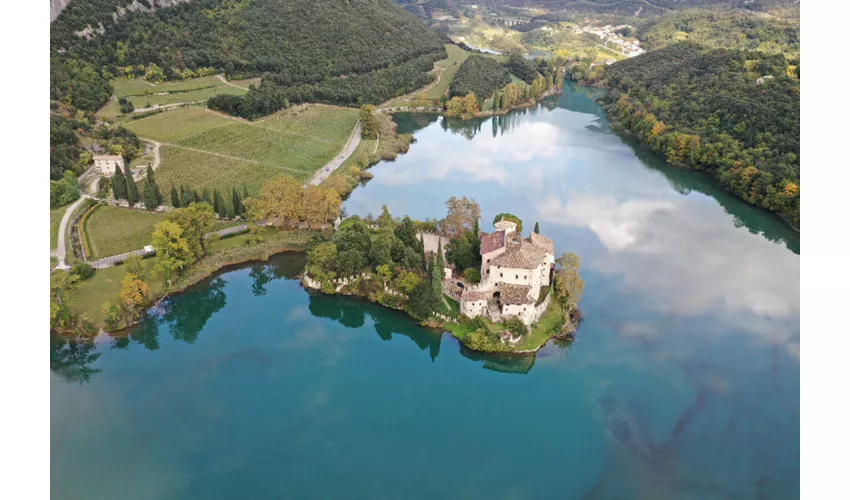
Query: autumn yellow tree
[280,202]
[320,205]
[173,252]
[569,284]
[134,292]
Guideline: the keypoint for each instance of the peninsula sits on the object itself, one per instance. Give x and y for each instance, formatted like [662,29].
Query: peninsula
[495,292]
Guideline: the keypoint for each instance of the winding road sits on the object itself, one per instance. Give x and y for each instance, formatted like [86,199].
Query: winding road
[348,150]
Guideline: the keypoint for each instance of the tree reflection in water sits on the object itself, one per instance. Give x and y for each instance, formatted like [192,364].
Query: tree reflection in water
[71,356]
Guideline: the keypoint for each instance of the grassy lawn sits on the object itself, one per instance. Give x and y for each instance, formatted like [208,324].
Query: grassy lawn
[147,101]
[453,308]
[104,286]
[548,325]
[205,149]
[56,219]
[112,230]
[447,69]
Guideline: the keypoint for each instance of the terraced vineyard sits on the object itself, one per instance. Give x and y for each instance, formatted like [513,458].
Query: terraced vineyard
[203,149]
[143,94]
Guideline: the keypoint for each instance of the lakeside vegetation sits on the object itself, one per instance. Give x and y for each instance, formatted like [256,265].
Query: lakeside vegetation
[186,252]
[732,113]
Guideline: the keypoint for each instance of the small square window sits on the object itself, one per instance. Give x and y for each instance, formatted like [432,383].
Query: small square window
[516,276]
[501,275]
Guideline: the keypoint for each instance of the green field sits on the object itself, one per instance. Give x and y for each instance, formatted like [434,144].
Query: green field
[202,149]
[112,230]
[56,219]
[104,287]
[143,94]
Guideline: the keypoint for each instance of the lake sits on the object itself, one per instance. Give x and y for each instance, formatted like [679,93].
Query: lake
[683,381]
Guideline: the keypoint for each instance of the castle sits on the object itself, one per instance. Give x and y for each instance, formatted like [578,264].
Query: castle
[515,276]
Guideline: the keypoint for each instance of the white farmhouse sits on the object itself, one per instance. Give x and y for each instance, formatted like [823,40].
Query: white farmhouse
[514,274]
[105,164]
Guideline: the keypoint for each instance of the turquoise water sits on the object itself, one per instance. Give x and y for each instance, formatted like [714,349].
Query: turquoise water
[683,381]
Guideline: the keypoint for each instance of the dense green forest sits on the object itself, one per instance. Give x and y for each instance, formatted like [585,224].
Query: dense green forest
[719,29]
[298,41]
[733,113]
[369,88]
[524,69]
[481,75]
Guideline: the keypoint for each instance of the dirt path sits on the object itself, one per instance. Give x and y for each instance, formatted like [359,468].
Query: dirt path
[224,80]
[347,151]
[165,106]
[63,226]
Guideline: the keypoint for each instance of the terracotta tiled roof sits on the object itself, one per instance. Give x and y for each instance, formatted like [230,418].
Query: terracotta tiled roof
[542,242]
[470,295]
[494,241]
[522,255]
[515,294]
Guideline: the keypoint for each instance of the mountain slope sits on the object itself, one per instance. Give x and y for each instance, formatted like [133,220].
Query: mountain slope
[298,41]
[733,113]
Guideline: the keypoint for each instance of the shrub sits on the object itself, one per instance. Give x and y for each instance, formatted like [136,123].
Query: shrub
[515,326]
[84,270]
[472,275]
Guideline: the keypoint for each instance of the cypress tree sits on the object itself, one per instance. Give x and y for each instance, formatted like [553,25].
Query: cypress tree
[132,189]
[119,185]
[149,196]
[175,198]
[205,197]
[152,182]
[185,197]
[238,208]
[195,197]
[537,227]
[437,272]
[218,204]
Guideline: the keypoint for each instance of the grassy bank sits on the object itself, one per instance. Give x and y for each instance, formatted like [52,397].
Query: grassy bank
[370,151]
[55,220]
[103,287]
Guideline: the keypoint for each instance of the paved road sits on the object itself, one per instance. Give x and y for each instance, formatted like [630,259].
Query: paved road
[348,150]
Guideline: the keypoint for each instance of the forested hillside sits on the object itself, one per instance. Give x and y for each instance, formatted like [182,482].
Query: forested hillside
[297,41]
[480,75]
[719,29]
[733,113]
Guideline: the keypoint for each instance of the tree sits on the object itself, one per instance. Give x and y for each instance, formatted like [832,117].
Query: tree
[134,292]
[133,264]
[408,280]
[218,204]
[568,282]
[381,251]
[472,275]
[385,272]
[173,252]
[385,220]
[132,190]
[437,271]
[537,227]
[62,286]
[280,202]
[175,198]
[369,122]
[119,185]
[206,197]
[422,301]
[461,217]
[149,197]
[407,232]
[320,205]
[152,181]
[196,220]
[459,253]
[238,208]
